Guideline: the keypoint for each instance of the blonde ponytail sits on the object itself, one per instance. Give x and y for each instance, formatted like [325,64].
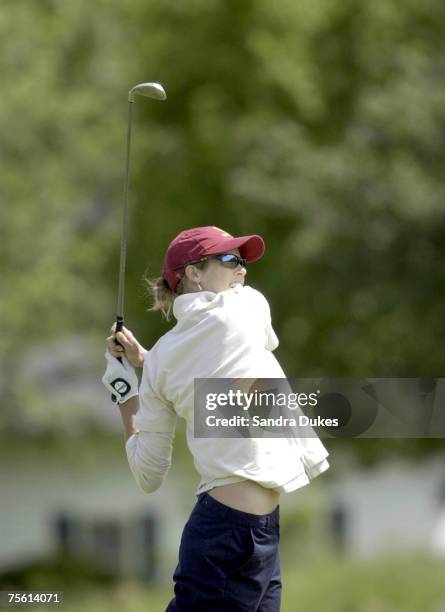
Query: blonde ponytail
[161,295]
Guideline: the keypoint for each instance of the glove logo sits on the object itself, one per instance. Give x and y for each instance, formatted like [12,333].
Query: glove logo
[120,386]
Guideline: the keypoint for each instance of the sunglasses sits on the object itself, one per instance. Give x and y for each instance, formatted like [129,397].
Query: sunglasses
[228,260]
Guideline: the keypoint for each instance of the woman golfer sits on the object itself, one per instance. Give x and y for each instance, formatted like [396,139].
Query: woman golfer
[229,553]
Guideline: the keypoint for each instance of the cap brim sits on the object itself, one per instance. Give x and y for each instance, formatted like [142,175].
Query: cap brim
[251,248]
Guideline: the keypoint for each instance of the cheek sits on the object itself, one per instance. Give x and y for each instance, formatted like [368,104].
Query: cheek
[218,278]
[226,275]
[211,276]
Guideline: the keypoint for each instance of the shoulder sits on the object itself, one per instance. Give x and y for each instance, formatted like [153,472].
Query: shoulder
[245,305]
[254,298]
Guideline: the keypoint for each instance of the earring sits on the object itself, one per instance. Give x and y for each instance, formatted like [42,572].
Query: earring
[199,286]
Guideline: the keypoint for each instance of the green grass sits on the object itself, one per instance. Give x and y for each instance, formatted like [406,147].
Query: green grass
[331,584]
[389,584]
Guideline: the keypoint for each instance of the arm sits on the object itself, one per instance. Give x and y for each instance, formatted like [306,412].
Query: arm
[149,421]
[148,452]
[128,409]
[149,457]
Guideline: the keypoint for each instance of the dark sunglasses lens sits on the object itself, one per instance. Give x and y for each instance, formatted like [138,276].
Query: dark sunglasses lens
[231,260]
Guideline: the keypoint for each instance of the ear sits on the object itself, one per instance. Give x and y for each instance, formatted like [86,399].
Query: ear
[192,273]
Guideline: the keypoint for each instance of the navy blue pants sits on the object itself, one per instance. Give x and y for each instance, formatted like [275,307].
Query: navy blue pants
[228,561]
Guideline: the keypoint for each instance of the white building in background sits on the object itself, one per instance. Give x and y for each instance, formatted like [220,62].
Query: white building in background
[392,508]
[396,506]
[438,535]
[105,511]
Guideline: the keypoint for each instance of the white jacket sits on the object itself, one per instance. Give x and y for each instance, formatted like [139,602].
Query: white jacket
[217,335]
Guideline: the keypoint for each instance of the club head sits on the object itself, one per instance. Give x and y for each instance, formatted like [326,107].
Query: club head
[149,90]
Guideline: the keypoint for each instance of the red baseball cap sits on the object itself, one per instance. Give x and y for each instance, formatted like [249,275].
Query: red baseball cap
[194,244]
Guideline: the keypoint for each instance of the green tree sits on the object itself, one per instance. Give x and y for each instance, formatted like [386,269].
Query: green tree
[316,124]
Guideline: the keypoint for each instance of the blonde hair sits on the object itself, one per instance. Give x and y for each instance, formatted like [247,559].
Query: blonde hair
[162,297]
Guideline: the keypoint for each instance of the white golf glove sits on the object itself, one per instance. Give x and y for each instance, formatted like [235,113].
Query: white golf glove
[120,379]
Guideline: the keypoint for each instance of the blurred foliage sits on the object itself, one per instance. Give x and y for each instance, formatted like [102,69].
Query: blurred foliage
[320,125]
[58,571]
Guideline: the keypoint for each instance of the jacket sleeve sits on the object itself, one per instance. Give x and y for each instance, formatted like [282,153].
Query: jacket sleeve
[149,451]
[261,304]
[272,340]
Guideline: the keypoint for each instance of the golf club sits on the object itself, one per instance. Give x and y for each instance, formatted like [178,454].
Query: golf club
[157,92]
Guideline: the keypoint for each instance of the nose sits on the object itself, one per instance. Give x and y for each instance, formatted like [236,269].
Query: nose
[241,270]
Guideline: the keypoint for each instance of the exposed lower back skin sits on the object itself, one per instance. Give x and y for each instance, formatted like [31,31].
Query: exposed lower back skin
[247,496]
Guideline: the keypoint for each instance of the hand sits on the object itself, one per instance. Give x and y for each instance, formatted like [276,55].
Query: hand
[131,348]
[120,378]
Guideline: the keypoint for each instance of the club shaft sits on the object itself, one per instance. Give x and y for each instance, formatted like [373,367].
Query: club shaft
[121,292]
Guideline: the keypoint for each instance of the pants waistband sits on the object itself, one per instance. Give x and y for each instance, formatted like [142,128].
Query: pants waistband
[238,517]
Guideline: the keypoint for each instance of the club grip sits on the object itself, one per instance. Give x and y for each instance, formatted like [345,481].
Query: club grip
[119,323]
[119,326]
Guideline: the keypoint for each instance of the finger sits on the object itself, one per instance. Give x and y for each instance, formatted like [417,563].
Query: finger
[111,342]
[112,346]
[128,333]
[113,328]
[116,348]
[122,339]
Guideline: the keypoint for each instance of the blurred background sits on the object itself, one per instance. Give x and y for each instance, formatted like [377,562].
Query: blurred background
[317,124]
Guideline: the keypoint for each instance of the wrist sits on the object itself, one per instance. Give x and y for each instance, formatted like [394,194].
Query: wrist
[130,403]
[141,356]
